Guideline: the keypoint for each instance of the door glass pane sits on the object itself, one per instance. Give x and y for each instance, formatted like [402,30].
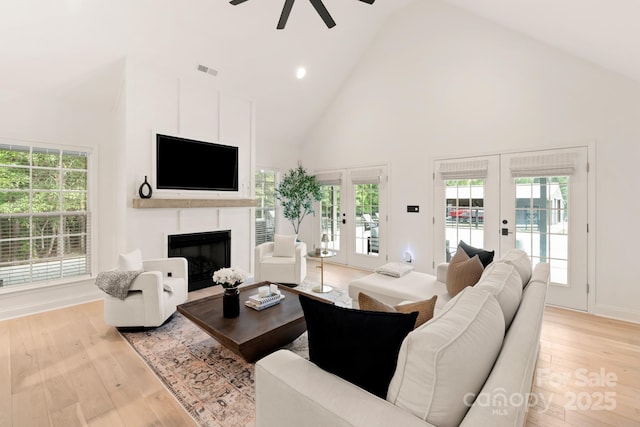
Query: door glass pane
[542,222]
[367,237]
[330,216]
[464,213]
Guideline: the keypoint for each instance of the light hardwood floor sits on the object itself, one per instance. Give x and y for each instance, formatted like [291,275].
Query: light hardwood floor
[67,368]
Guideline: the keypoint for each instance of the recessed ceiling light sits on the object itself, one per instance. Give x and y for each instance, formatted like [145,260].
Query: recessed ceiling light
[301,72]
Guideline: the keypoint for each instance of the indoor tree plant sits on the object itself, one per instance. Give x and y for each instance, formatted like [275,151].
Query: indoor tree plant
[297,191]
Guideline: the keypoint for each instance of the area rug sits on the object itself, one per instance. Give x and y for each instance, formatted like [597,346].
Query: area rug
[212,383]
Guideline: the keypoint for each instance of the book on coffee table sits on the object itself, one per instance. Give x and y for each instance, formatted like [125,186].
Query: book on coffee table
[260,303]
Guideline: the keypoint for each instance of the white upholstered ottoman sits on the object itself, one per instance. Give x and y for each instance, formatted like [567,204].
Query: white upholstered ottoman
[413,286]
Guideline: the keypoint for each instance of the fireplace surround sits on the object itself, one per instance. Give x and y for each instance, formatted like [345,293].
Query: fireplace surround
[205,252]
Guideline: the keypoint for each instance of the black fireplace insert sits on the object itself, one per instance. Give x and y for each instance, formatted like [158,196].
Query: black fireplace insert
[205,253]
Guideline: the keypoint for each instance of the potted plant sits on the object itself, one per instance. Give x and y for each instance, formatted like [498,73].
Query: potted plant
[297,191]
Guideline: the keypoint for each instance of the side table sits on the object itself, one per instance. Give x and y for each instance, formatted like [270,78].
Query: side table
[321,256]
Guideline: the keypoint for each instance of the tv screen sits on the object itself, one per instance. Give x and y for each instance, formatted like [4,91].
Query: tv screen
[186,164]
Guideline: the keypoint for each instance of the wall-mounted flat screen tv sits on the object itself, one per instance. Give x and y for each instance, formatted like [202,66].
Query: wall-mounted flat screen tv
[187,164]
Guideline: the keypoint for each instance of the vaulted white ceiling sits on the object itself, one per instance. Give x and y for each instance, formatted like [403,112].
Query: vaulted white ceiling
[73,49]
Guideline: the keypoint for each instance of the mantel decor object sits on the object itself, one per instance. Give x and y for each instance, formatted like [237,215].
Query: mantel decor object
[145,189]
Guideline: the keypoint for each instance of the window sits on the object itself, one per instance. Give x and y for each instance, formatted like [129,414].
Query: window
[330,215]
[464,213]
[367,219]
[266,209]
[44,215]
[542,222]
[464,182]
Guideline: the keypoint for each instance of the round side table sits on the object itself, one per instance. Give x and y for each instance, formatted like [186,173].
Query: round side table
[321,256]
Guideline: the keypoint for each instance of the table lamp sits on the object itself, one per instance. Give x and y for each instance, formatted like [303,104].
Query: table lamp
[325,240]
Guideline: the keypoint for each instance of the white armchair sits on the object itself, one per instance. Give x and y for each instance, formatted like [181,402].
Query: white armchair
[153,295]
[280,269]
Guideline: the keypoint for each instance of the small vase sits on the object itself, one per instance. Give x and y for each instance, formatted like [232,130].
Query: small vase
[231,303]
[145,190]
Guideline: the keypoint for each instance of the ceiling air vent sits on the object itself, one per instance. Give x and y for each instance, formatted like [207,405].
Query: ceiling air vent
[208,70]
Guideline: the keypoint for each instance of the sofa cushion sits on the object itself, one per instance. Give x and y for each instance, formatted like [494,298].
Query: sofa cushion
[463,272]
[284,245]
[486,257]
[503,282]
[522,263]
[356,345]
[131,261]
[447,358]
[278,260]
[423,308]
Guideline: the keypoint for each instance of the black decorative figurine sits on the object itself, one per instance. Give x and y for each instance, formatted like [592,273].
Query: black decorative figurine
[145,189]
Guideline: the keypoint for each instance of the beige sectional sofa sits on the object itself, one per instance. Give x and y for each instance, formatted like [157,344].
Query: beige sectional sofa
[472,364]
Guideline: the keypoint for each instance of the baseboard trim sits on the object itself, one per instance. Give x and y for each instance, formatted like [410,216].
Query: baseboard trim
[618,313]
[36,300]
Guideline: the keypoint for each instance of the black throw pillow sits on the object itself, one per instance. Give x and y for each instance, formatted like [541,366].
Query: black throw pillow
[486,257]
[357,345]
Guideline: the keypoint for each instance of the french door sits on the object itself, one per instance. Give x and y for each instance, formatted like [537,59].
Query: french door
[534,201]
[352,216]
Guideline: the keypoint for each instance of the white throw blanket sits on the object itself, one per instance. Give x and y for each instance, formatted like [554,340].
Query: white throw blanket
[394,269]
[116,283]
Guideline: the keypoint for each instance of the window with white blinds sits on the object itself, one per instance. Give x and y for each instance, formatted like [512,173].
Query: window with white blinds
[266,207]
[367,176]
[329,178]
[45,221]
[558,164]
[465,169]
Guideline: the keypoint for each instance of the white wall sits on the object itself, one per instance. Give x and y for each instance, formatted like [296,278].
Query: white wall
[193,107]
[438,81]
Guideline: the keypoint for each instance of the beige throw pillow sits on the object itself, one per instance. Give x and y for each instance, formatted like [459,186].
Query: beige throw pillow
[462,272]
[424,308]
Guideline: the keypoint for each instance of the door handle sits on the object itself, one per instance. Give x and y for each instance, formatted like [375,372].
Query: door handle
[344,221]
[505,231]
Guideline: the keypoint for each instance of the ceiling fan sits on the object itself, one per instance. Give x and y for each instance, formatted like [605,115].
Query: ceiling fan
[317,4]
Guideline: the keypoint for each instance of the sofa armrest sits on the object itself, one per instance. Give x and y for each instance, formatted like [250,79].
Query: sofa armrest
[301,250]
[150,283]
[441,272]
[293,392]
[263,249]
[177,266]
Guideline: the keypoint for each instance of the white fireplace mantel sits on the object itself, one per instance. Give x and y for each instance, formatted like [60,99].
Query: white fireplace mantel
[193,203]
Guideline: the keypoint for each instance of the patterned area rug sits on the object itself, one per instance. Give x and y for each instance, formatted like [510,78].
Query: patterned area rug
[211,382]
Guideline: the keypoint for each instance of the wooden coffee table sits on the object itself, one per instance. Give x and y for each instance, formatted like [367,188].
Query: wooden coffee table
[252,334]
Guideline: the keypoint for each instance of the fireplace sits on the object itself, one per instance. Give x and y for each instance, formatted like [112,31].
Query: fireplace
[205,253]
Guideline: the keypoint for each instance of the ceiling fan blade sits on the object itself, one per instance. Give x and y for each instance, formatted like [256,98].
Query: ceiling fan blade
[286,10]
[323,12]
[237,2]
[368,1]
